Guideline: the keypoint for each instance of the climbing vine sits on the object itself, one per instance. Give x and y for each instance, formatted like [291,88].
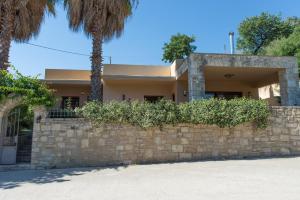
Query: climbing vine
[32,90]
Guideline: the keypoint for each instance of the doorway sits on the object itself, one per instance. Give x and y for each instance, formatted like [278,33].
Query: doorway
[17,141]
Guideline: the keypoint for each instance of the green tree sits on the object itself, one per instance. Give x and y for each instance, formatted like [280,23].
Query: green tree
[102,20]
[257,32]
[179,47]
[293,21]
[20,20]
[289,46]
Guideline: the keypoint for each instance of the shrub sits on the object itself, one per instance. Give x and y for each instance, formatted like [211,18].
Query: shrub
[223,113]
[33,91]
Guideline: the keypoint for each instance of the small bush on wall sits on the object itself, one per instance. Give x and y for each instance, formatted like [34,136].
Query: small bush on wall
[223,113]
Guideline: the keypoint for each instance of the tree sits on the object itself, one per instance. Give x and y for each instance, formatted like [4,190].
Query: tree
[293,21]
[179,47]
[289,46]
[102,20]
[20,20]
[257,32]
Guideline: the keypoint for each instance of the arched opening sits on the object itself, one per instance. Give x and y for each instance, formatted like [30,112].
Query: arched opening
[17,137]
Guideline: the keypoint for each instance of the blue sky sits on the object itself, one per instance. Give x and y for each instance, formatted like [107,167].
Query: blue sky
[153,23]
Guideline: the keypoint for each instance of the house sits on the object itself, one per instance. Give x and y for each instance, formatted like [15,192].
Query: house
[196,77]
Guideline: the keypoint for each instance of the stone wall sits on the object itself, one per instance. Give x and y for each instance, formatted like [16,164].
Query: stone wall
[75,142]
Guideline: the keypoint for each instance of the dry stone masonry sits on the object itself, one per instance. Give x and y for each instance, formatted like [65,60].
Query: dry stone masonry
[76,142]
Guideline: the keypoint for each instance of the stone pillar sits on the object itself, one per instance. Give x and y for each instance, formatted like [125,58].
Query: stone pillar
[40,113]
[196,79]
[1,133]
[289,86]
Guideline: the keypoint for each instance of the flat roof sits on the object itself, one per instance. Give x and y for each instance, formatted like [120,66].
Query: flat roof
[109,71]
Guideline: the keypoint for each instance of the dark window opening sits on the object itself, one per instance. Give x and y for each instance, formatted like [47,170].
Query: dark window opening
[173,97]
[224,95]
[153,99]
[70,102]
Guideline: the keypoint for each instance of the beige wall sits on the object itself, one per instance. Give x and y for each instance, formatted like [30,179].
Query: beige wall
[61,74]
[136,70]
[270,93]
[82,91]
[110,70]
[113,90]
[137,89]
[181,86]
[157,81]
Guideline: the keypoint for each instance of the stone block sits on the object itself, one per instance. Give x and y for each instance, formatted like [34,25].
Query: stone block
[184,129]
[44,139]
[128,147]
[61,145]
[148,154]
[101,142]
[59,139]
[70,133]
[244,142]
[157,140]
[177,148]
[184,141]
[186,156]
[284,138]
[120,148]
[285,151]
[84,143]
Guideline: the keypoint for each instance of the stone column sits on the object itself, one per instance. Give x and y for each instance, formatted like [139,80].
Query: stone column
[40,113]
[1,133]
[196,79]
[289,86]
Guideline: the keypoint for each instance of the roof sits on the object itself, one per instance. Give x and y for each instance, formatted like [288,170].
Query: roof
[110,71]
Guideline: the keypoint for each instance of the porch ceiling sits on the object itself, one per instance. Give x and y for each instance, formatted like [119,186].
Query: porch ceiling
[254,76]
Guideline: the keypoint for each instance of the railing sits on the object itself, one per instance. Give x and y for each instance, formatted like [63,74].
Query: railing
[62,113]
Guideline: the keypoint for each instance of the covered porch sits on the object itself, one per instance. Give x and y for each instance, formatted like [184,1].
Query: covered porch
[229,76]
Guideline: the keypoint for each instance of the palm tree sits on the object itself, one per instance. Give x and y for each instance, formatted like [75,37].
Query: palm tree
[102,20]
[20,21]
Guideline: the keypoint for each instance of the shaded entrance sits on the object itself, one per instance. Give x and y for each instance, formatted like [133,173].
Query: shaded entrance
[17,141]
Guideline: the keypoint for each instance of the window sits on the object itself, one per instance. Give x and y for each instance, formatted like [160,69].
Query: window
[152,99]
[70,102]
[224,95]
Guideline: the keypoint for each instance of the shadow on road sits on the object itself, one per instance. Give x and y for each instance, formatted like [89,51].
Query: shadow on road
[13,179]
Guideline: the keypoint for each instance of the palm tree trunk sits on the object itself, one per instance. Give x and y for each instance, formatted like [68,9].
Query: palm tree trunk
[6,33]
[1,16]
[96,76]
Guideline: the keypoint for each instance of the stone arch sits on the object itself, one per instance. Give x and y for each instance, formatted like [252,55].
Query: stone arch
[5,107]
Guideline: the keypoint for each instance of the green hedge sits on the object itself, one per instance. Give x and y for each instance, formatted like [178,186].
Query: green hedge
[223,113]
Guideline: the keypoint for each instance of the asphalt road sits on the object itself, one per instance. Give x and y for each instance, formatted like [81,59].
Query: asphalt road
[244,180]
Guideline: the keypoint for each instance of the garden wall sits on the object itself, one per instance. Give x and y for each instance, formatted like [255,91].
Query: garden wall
[75,142]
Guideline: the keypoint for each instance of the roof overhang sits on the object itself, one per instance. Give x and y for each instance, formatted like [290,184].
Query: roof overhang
[124,77]
[67,82]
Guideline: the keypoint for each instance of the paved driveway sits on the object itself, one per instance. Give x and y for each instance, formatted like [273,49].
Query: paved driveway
[243,180]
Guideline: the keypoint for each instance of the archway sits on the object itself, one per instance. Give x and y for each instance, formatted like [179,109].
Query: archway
[16,125]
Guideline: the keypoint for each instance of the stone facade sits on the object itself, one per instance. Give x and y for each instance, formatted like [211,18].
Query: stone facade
[75,142]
